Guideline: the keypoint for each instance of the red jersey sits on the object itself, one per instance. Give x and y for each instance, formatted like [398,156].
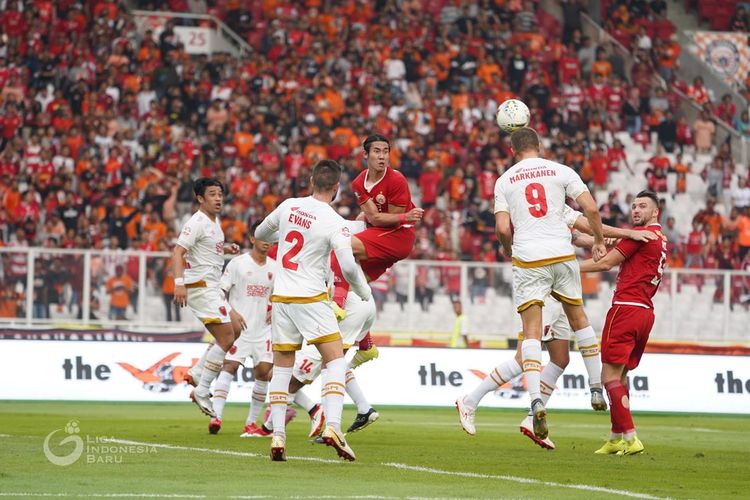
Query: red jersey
[641,272]
[392,189]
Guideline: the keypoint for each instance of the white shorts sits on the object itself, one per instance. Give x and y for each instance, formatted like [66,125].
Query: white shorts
[255,346]
[555,325]
[533,285]
[209,305]
[307,364]
[360,316]
[292,323]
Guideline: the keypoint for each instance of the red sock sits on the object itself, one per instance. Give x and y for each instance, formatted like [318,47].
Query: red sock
[619,412]
[366,343]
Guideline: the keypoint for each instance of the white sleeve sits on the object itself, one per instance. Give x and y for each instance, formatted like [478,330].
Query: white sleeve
[270,225]
[189,234]
[570,216]
[501,201]
[341,243]
[355,226]
[574,186]
[227,277]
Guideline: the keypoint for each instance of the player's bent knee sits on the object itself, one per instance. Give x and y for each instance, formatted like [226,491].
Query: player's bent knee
[230,367]
[263,372]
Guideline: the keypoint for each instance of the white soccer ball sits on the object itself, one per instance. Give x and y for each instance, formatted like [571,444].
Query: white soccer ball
[512,115]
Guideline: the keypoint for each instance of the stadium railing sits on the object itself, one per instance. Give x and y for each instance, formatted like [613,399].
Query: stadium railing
[232,42]
[69,290]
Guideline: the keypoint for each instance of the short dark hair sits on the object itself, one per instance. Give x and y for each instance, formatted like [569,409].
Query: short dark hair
[647,193]
[375,138]
[253,227]
[200,186]
[524,139]
[325,175]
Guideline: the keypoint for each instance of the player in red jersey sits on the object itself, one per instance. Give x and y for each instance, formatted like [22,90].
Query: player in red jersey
[385,200]
[384,197]
[630,318]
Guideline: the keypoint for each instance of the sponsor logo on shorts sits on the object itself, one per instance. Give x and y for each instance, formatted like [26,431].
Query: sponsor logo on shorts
[233,349]
[223,310]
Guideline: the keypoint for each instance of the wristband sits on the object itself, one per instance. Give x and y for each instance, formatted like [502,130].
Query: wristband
[179,282]
[402,218]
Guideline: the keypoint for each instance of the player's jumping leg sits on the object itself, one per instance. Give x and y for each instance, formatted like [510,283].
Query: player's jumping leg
[194,373]
[531,354]
[588,345]
[366,414]
[467,405]
[333,396]
[559,359]
[278,396]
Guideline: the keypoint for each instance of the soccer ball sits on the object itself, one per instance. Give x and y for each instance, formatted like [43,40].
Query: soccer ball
[512,115]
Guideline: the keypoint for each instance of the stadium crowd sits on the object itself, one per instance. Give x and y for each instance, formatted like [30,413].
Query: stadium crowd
[102,128]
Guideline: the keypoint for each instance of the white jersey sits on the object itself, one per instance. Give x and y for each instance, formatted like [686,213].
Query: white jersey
[249,285]
[308,231]
[204,241]
[533,192]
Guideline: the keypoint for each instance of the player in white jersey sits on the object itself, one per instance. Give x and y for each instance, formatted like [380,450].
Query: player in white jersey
[198,260]
[529,204]
[556,335]
[309,229]
[355,317]
[248,281]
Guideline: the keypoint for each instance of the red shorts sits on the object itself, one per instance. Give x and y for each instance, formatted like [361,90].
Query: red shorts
[626,332]
[385,246]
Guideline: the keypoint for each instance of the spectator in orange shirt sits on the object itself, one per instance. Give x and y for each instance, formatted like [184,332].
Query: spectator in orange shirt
[243,139]
[601,66]
[119,287]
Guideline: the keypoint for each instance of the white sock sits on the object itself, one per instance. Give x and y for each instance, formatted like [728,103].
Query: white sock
[221,391]
[303,400]
[211,368]
[627,436]
[355,392]
[278,395]
[323,378]
[258,399]
[333,392]
[588,345]
[531,354]
[549,377]
[613,436]
[202,361]
[501,374]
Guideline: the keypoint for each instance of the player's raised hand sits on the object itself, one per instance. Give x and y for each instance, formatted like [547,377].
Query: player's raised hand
[598,251]
[232,249]
[180,295]
[415,215]
[644,236]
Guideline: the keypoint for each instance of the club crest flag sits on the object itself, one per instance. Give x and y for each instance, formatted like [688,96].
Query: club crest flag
[726,53]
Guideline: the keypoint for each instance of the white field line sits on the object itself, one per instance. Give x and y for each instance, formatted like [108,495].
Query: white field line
[392,465]
[412,468]
[178,496]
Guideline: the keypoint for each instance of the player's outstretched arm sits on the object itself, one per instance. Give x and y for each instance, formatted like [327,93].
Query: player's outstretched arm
[582,225]
[396,216]
[503,231]
[590,210]
[612,259]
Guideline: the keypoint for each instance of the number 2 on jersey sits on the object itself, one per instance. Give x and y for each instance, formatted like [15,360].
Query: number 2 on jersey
[298,240]
[537,199]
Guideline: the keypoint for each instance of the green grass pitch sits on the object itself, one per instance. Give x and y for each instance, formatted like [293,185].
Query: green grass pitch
[409,452]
